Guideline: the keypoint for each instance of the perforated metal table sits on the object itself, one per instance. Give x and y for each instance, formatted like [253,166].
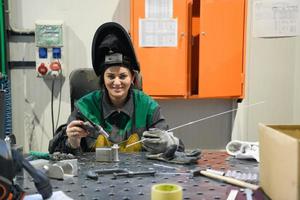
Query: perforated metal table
[139,187]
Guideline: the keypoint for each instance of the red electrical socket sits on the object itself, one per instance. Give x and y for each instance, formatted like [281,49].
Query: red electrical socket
[42,69]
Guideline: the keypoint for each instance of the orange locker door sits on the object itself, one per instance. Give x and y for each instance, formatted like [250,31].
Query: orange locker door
[221,49]
[164,69]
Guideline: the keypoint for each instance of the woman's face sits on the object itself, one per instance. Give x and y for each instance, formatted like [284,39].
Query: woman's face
[117,80]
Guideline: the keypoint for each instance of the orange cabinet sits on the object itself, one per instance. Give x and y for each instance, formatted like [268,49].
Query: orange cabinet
[164,69]
[207,60]
[221,48]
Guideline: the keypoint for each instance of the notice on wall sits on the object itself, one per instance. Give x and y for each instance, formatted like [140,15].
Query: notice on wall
[158,8]
[158,28]
[275,18]
[158,32]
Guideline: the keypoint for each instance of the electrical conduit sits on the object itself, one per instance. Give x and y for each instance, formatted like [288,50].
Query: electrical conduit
[2,39]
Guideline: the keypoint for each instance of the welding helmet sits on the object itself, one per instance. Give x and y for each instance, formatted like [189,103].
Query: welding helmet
[112,46]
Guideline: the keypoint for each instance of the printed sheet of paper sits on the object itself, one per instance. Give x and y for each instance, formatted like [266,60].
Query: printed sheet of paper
[159,9]
[158,32]
[275,18]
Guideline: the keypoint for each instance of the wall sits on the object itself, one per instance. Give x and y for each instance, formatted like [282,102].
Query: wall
[31,95]
[272,76]
[296,109]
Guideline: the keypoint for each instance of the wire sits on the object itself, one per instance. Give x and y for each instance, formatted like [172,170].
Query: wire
[59,101]
[215,115]
[52,112]
[202,119]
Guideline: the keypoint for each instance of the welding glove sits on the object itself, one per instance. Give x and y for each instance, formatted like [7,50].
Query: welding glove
[176,157]
[243,150]
[157,141]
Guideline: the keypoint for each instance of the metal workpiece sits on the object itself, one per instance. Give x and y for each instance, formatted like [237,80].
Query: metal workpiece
[108,187]
[61,169]
[109,154]
[104,154]
[115,153]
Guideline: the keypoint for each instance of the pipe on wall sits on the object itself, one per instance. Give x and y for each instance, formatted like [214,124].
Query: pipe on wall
[2,39]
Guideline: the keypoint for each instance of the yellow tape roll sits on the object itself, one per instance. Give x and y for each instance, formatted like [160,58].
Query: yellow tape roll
[166,191]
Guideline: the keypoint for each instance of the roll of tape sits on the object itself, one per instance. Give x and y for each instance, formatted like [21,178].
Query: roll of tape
[166,191]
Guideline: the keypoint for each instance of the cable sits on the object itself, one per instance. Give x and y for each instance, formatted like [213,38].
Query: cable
[52,112]
[59,102]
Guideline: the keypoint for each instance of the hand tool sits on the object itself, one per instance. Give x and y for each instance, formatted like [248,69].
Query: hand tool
[98,128]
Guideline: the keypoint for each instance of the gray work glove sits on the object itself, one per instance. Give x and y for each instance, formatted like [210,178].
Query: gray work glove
[157,141]
[177,157]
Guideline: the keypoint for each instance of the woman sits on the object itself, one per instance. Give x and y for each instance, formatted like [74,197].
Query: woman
[126,114]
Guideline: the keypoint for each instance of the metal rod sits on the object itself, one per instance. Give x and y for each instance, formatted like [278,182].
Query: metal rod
[215,115]
[135,143]
[165,166]
[202,119]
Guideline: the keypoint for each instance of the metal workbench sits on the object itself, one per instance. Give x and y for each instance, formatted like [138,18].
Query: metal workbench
[109,188]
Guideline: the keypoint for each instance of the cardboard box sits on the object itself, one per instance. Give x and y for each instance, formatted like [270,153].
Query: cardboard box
[279,165]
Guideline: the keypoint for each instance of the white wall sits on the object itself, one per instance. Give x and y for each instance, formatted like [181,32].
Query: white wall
[296,109]
[31,95]
[272,76]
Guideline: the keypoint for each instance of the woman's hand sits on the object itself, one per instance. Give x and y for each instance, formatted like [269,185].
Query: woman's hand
[75,133]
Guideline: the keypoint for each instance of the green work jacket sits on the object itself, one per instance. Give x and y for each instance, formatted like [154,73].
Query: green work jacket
[139,113]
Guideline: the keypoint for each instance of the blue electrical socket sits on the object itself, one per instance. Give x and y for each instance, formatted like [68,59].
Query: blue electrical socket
[56,52]
[43,52]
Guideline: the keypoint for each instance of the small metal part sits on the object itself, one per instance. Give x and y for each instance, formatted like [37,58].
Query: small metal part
[108,154]
[221,173]
[130,174]
[248,177]
[166,166]
[248,194]
[70,167]
[93,174]
[61,169]
[232,195]
[115,153]
[104,154]
[54,171]
[195,172]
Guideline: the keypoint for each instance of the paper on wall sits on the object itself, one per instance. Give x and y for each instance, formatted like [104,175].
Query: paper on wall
[158,32]
[275,18]
[158,8]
